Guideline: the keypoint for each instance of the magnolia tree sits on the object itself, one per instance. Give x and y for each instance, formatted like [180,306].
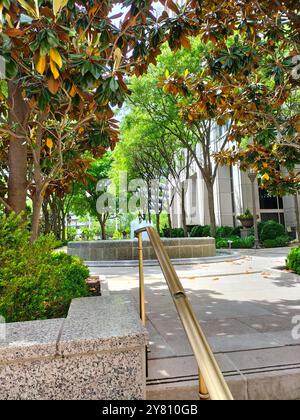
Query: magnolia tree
[66,64]
[249,82]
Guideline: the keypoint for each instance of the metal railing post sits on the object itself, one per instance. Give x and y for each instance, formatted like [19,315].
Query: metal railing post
[142,278]
[203,391]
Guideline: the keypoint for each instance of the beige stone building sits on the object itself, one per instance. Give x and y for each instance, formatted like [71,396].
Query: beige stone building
[232,195]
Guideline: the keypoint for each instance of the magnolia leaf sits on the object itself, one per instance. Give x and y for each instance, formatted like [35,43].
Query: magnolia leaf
[28,8]
[55,56]
[73,91]
[58,5]
[118,59]
[14,32]
[37,9]
[49,143]
[8,20]
[41,65]
[53,86]
[54,70]
[266,177]
[172,6]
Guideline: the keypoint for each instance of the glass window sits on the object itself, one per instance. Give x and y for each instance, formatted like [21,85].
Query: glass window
[269,203]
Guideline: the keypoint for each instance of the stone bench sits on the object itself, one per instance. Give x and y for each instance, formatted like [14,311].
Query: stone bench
[127,250]
[96,353]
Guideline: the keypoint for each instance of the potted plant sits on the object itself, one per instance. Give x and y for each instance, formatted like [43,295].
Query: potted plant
[247,219]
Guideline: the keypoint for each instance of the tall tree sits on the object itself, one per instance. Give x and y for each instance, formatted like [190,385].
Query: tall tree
[149,152]
[163,102]
[67,59]
[87,194]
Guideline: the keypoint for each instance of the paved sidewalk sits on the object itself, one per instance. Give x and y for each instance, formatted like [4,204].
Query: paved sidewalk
[246,309]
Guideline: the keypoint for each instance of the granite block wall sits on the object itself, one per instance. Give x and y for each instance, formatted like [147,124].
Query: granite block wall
[96,353]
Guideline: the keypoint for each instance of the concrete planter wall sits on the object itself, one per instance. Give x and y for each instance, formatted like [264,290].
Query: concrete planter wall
[97,353]
[127,250]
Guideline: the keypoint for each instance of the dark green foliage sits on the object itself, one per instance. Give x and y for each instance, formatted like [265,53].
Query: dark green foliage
[237,242]
[36,283]
[281,241]
[228,231]
[200,232]
[293,260]
[272,230]
[222,231]
[173,233]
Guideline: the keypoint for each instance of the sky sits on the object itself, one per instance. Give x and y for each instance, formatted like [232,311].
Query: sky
[118,8]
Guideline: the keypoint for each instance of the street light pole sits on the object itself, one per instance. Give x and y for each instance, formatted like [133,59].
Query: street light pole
[253,176]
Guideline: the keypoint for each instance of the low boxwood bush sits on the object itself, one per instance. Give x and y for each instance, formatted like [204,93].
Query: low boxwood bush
[237,242]
[35,282]
[272,230]
[293,260]
[281,241]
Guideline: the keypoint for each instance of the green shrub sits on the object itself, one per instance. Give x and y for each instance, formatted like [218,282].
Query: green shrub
[222,231]
[36,283]
[237,231]
[200,232]
[173,233]
[117,236]
[246,216]
[89,234]
[222,243]
[228,231]
[237,242]
[272,230]
[293,260]
[72,232]
[245,243]
[281,241]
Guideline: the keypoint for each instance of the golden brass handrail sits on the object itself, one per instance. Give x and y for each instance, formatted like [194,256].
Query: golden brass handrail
[212,384]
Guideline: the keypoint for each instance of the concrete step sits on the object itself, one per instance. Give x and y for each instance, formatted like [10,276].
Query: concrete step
[262,374]
[222,256]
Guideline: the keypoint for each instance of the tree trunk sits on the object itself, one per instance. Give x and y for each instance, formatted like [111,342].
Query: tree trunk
[54,218]
[149,204]
[102,222]
[158,222]
[183,212]
[297,212]
[103,231]
[37,207]
[211,206]
[47,227]
[63,227]
[17,154]
[170,220]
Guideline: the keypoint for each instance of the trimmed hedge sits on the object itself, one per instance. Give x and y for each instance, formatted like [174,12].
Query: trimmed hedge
[272,230]
[36,283]
[293,260]
[281,241]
